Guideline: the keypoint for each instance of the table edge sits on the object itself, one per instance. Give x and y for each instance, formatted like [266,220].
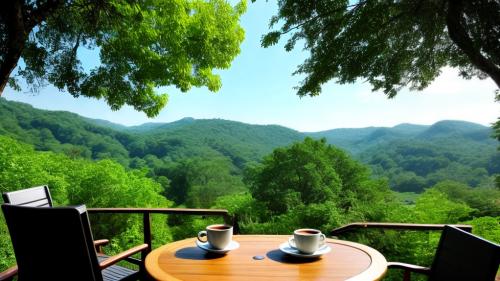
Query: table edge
[376,270]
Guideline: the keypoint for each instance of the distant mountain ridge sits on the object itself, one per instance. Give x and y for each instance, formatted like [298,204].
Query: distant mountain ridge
[405,148]
[354,140]
[344,137]
[334,136]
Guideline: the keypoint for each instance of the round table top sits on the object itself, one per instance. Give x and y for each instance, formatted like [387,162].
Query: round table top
[183,260]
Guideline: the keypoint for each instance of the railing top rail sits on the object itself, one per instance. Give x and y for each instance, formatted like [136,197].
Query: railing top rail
[396,226]
[202,212]
[8,274]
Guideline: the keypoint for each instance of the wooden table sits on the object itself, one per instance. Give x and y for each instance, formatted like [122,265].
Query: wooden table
[183,260]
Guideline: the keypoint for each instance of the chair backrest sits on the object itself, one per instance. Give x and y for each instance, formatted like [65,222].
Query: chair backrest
[52,243]
[464,256]
[31,197]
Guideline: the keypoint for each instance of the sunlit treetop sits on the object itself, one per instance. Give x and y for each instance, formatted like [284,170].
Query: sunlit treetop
[389,44]
[142,45]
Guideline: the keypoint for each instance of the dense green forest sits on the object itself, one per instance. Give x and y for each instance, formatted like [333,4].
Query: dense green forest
[77,181]
[415,157]
[411,157]
[273,179]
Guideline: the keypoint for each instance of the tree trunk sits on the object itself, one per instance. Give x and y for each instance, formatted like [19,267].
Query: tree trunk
[15,42]
[461,38]
[19,24]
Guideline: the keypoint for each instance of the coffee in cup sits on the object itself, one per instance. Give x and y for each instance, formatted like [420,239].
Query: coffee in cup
[307,240]
[218,235]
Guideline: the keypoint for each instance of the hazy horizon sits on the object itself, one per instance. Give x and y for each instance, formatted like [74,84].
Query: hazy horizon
[270,124]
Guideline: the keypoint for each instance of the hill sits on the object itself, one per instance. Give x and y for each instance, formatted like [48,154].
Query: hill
[233,139]
[411,156]
[97,139]
[148,127]
[60,131]
[446,131]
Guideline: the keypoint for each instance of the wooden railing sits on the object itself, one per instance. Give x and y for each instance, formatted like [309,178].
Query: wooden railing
[228,219]
[397,226]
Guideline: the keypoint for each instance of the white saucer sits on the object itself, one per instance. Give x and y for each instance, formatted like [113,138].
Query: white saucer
[233,245]
[287,249]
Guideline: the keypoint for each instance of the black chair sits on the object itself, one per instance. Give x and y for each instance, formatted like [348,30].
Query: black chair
[39,196]
[459,256]
[56,244]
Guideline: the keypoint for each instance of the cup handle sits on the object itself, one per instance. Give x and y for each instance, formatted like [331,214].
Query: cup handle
[201,234]
[291,242]
[322,240]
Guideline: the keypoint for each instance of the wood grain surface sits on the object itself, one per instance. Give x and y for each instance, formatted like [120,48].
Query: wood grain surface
[183,260]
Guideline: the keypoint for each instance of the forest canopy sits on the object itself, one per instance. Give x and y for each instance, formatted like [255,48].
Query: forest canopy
[286,190]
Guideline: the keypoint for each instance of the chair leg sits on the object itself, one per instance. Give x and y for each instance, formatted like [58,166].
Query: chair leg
[407,275]
[146,277]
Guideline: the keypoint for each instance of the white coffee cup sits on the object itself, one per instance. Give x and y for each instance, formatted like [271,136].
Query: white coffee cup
[218,235]
[307,240]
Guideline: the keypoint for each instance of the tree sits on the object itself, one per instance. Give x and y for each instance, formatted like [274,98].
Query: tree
[435,207]
[76,181]
[390,43]
[496,129]
[485,201]
[197,182]
[305,173]
[142,45]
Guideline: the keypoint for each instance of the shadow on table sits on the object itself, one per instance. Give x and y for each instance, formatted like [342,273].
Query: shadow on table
[279,256]
[195,253]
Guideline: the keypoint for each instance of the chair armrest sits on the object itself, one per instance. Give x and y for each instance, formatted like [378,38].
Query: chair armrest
[8,274]
[409,267]
[99,243]
[123,255]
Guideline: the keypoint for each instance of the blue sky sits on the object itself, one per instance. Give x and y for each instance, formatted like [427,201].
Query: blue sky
[258,89]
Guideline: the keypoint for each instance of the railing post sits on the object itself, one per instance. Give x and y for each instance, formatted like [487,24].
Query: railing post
[233,221]
[146,224]
[407,275]
[236,226]
[146,229]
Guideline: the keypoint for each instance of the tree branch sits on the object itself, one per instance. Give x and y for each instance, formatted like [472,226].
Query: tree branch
[20,21]
[461,38]
[42,12]
[75,47]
